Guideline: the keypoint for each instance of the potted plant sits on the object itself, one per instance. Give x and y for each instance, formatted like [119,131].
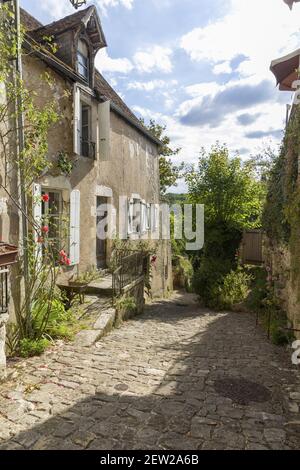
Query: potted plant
[8,254]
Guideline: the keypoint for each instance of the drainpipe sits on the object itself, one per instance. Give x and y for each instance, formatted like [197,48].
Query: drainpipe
[21,141]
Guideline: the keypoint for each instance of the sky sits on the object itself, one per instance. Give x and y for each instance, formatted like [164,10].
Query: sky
[201,67]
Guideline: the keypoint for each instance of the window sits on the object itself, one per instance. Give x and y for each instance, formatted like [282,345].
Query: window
[86,145]
[52,218]
[134,217]
[83,60]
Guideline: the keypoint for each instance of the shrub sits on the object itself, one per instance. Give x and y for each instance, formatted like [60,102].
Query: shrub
[127,304]
[235,288]
[61,323]
[32,347]
[209,278]
[183,270]
[259,290]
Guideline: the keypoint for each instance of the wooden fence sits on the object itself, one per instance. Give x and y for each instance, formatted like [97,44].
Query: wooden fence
[252,247]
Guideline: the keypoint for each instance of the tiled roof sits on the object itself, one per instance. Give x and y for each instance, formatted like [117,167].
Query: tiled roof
[37,31]
[64,24]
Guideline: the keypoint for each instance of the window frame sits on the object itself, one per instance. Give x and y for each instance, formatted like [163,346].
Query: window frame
[85,106]
[84,63]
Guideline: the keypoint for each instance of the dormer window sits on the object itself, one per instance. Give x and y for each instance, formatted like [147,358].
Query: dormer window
[83,63]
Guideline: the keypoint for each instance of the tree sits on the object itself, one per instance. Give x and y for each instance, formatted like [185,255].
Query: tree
[232,198]
[168,171]
[227,187]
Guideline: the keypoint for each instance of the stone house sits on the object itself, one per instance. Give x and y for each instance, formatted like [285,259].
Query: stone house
[114,158]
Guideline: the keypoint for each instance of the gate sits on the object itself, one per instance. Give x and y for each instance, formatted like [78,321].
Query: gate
[252,247]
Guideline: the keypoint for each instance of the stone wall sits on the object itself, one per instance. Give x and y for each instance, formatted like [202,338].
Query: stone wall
[278,258]
[3,321]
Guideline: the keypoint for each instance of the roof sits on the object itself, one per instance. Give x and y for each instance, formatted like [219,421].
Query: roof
[286,70]
[36,31]
[75,22]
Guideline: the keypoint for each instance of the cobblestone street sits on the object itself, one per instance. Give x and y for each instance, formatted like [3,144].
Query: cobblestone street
[156,383]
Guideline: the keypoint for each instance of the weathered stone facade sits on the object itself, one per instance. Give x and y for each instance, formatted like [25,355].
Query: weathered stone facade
[278,258]
[124,164]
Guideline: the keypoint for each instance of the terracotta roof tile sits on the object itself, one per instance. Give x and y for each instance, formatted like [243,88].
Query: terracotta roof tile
[37,31]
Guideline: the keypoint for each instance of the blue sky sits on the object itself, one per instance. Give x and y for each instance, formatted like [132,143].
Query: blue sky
[199,66]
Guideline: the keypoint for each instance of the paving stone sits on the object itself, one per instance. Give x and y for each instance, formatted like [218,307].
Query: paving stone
[151,385]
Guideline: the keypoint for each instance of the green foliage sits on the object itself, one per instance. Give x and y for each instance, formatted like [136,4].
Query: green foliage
[208,279]
[126,304]
[169,172]
[183,269]
[33,347]
[281,216]
[258,291]
[235,288]
[227,188]
[64,163]
[262,301]
[232,198]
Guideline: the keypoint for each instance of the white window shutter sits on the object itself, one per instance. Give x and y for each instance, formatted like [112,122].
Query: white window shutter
[148,217]
[75,227]
[144,217]
[77,120]
[130,215]
[104,130]
[156,225]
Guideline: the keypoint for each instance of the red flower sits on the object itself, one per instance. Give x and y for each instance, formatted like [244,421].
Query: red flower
[45,229]
[45,197]
[62,253]
[68,262]
[153,259]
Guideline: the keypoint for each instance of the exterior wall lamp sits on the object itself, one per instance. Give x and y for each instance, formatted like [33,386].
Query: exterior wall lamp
[78,3]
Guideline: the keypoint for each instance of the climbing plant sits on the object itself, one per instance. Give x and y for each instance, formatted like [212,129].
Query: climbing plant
[38,301]
[281,216]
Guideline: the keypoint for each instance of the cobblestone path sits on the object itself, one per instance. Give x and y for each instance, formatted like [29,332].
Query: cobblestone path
[156,383]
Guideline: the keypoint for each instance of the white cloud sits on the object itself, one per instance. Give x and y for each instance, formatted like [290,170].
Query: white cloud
[223,67]
[155,58]
[260,30]
[151,85]
[104,63]
[57,9]
[105,4]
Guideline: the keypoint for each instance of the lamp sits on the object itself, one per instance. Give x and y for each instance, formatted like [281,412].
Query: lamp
[291,2]
[78,3]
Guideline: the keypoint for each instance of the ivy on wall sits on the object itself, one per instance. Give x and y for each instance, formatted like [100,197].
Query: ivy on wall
[281,218]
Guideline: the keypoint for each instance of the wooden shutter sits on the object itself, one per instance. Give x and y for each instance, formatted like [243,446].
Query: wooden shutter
[104,130]
[130,216]
[77,121]
[75,227]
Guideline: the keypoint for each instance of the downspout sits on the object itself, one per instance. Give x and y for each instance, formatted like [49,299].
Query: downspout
[21,143]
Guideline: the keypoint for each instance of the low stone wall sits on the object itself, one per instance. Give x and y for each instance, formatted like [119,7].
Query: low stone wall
[135,290]
[278,259]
